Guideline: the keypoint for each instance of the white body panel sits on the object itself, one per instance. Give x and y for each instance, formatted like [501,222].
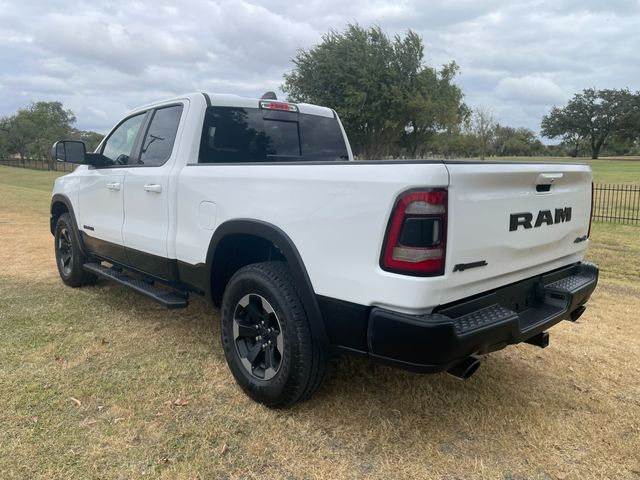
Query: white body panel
[146,201]
[481,199]
[336,214]
[100,203]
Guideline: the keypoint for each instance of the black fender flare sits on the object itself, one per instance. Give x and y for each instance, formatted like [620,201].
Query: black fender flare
[281,240]
[61,198]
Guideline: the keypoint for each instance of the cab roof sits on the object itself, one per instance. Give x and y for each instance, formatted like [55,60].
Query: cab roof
[231,100]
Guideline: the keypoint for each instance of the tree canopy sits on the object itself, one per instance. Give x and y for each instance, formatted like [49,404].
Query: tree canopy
[596,116]
[31,131]
[516,142]
[389,101]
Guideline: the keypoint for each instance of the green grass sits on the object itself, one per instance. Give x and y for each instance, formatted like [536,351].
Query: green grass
[616,249]
[570,411]
[27,178]
[615,171]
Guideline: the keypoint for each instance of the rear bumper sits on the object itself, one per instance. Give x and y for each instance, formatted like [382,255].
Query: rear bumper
[481,324]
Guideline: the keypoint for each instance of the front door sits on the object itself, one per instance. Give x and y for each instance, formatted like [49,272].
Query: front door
[101,196]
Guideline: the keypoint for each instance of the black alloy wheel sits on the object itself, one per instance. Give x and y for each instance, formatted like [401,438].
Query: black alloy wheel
[65,252]
[258,336]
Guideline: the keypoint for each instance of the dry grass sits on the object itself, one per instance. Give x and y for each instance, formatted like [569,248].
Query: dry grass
[570,411]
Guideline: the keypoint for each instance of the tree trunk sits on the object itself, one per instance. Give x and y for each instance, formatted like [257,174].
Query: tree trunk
[596,146]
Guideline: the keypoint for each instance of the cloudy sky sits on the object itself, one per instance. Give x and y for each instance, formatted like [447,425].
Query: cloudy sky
[101,58]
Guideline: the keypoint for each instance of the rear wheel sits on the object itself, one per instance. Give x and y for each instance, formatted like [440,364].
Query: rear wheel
[69,256]
[267,338]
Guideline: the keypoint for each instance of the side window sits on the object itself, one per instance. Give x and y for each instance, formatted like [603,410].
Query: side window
[119,146]
[160,137]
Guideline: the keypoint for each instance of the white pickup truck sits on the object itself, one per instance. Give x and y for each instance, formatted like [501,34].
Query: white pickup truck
[257,206]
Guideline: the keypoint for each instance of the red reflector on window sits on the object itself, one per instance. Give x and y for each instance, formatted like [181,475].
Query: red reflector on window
[287,107]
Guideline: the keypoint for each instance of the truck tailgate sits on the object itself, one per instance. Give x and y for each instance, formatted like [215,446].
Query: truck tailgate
[511,218]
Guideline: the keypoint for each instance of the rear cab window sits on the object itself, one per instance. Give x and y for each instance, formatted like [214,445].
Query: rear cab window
[242,135]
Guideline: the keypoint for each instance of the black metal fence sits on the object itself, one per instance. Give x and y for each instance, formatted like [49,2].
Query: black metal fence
[616,203]
[37,164]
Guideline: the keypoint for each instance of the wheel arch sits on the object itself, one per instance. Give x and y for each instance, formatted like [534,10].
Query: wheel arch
[60,204]
[275,236]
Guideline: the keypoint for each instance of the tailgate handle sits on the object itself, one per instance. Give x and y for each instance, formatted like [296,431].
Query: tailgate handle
[547,178]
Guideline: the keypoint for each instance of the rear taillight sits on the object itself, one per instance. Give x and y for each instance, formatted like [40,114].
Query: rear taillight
[415,243]
[591,212]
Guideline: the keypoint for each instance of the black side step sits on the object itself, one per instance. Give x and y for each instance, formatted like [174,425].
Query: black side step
[167,298]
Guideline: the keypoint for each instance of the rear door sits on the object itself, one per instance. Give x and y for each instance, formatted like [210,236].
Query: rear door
[101,211]
[508,218]
[147,193]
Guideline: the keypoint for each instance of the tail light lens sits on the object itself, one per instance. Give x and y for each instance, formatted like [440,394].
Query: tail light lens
[415,243]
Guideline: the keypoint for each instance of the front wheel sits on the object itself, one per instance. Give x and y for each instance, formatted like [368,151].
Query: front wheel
[267,338]
[69,256]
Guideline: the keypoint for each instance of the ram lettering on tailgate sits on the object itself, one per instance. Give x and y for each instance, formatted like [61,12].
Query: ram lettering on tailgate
[544,217]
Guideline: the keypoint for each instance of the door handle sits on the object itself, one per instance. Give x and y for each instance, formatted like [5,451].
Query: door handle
[153,187]
[113,185]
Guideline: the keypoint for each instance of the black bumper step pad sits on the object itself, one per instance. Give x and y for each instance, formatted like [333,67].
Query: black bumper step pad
[492,314]
[570,284]
[170,299]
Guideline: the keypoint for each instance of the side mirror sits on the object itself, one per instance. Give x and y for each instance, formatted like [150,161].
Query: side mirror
[69,151]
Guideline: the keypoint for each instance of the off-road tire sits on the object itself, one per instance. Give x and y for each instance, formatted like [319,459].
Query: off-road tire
[303,361]
[69,256]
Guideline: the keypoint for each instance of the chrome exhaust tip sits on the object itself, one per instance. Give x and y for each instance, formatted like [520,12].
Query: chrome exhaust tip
[465,368]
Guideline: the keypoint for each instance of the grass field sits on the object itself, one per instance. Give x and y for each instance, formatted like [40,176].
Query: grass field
[102,383]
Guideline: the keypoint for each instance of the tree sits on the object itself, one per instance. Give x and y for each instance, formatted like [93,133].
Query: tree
[386,97]
[15,134]
[483,125]
[594,115]
[32,130]
[90,139]
[509,141]
[433,105]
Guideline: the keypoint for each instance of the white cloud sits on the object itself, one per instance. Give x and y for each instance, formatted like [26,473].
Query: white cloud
[529,89]
[102,58]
